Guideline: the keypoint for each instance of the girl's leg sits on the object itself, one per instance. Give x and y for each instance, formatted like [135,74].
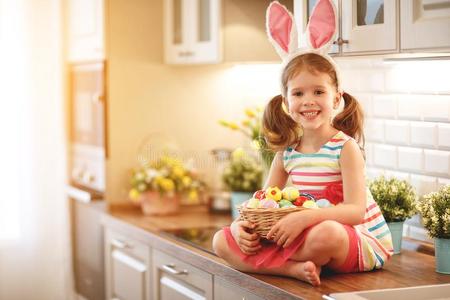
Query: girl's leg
[305,271]
[327,244]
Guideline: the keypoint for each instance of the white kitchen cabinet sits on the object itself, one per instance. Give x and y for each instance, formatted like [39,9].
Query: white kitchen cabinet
[364,27]
[177,280]
[127,264]
[425,25]
[192,31]
[369,26]
[224,290]
[85,30]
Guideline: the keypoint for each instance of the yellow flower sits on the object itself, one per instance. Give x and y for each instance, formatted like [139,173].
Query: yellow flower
[223,123]
[167,184]
[178,172]
[193,195]
[246,123]
[238,153]
[134,195]
[186,180]
[250,113]
[233,125]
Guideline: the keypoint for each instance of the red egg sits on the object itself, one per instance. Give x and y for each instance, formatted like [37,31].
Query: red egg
[259,195]
[300,200]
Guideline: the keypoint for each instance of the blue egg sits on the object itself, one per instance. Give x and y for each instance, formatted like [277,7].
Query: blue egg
[322,203]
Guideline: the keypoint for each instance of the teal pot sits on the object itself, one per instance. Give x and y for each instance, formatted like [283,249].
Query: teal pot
[442,254]
[396,229]
[237,198]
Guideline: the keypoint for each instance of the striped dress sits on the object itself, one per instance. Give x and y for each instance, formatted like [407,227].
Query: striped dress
[316,172]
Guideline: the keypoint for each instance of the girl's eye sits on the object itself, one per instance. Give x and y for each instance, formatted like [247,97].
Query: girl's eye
[319,92]
[298,94]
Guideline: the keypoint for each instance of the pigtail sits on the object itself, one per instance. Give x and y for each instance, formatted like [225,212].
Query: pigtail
[351,120]
[278,127]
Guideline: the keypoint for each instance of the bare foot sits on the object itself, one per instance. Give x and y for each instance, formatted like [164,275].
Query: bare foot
[309,272]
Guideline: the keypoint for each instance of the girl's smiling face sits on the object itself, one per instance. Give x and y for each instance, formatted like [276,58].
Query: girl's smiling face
[311,99]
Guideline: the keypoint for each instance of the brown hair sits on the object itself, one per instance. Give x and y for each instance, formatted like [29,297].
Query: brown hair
[280,130]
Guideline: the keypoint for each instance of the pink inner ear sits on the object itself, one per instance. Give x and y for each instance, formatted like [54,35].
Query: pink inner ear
[280,24]
[322,24]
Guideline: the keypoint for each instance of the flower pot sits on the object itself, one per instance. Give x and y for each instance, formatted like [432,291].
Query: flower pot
[396,229]
[237,198]
[153,203]
[442,254]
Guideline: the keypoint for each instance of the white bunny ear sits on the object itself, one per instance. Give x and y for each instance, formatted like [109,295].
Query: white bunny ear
[280,27]
[322,26]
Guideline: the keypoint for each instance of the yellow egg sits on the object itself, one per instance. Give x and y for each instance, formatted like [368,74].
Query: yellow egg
[274,193]
[290,193]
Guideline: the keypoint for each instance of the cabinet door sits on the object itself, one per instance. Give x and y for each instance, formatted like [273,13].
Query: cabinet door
[191,31]
[86,30]
[425,24]
[369,26]
[127,268]
[224,290]
[177,280]
[302,11]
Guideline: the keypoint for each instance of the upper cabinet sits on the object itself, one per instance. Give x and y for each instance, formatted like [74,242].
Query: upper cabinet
[86,30]
[425,24]
[369,26]
[385,26]
[192,31]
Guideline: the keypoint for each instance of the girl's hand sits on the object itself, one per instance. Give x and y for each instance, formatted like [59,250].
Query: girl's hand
[289,227]
[247,242]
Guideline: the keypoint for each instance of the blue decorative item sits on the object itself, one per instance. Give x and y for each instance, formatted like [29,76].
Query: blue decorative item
[237,198]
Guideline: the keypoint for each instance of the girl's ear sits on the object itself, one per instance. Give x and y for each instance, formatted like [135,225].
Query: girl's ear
[281,30]
[322,27]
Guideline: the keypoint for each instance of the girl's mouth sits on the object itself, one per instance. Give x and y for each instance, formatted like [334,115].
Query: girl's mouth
[310,115]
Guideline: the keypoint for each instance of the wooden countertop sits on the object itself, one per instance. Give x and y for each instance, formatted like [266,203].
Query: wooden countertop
[413,267]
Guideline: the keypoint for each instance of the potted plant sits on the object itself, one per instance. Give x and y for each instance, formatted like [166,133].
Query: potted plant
[251,127]
[242,176]
[397,201]
[435,211]
[158,186]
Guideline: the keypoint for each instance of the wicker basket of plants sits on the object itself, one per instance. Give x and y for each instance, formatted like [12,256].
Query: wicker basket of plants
[268,206]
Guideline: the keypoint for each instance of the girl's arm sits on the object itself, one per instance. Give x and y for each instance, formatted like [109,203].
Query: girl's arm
[277,175]
[352,210]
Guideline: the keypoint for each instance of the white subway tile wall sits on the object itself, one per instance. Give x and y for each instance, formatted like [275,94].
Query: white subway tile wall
[407,125]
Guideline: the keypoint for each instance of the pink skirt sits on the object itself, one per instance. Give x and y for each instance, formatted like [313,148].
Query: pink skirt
[271,255]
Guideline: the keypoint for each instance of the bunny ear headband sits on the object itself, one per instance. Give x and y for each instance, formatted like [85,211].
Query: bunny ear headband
[320,32]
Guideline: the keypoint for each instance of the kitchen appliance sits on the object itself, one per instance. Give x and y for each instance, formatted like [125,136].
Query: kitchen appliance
[87,126]
[200,238]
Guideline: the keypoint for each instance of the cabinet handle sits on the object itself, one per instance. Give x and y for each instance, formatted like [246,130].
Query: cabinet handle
[171,269]
[340,41]
[120,244]
[186,53]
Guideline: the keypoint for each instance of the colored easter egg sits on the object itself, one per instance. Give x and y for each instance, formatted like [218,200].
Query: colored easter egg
[259,195]
[253,203]
[273,193]
[290,193]
[310,204]
[268,203]
[323,203]
[285,203]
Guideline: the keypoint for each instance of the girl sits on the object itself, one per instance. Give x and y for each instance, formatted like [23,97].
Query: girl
[318,148]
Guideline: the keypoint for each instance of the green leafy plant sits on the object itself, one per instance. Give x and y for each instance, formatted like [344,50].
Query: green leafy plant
[251,127]
[396,198]
[435,211]
[166,175]
[243,174]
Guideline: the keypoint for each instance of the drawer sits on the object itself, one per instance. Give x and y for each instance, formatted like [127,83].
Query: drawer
[117,240]
[170,269]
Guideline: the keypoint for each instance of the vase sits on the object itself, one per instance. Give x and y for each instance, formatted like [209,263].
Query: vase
[442,254]
[153,203]
[396,229]
[237,198]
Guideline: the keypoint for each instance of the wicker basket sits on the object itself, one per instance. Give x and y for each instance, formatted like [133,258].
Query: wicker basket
[265,218]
